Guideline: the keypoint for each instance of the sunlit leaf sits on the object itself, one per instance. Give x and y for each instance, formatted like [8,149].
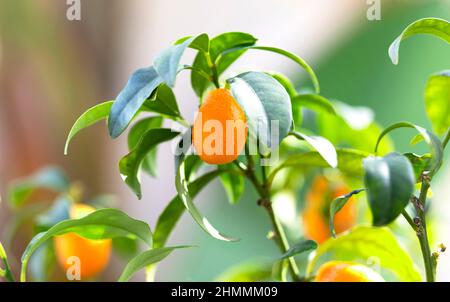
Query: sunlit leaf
[366,244]
[390,183]
[322,145]
[300,247]
[437,101]
[433,26]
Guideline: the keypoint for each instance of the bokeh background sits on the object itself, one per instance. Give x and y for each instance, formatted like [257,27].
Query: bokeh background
[53,69]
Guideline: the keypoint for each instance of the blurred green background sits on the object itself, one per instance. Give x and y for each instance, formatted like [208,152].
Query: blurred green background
[52,69]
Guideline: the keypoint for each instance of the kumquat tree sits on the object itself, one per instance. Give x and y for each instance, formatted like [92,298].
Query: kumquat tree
[254,129]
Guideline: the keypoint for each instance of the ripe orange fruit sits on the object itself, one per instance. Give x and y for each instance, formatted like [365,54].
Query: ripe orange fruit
[93,254]
[315,216]
[220,128]
[340,271]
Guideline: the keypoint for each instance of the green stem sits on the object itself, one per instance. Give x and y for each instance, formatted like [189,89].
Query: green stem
[422,231]
[213,67]
[264,193]
[6,271]
[446,138]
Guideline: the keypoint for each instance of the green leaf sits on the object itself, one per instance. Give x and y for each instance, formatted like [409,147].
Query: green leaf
[285,82]
[126,248]
[232,183]
[145,259]
[349,162]
[314,102]
[167,62]
[322,145]
[420,163]
[91,116]
[181,184]
[5,271]
[437,101]
[43,262]
[432,26]
[101,224]
[163,102]
[390,183]
[287,54]
[364,243]
[134,136]
[50,178]
[218,45]
[129,165]
[249,271]
[299,248]
[337,205]
[264,100]
[432,140]
[139,87]
[173,211]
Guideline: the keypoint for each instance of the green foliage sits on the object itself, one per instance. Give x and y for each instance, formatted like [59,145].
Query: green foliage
[433,142]
[249,271]
[50,178]
[129,165]
[433,26]
[337,205]
[163,102]
[437,101]
[263,100]
[134,136]
[145,259]
[232,183]
[299,248]
[365,244]
[101,224]
[390,183]
[91,116]
[322,145]
[420,164]
[139,87]
[5,272]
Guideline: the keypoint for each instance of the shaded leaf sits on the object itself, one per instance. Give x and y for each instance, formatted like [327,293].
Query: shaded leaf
[139,87]
[130,164]
[50,178]
[337,205]
[300,247]
[433,26]
[390,183]
[101,224]
[265,103]
[91,116]
[163,102]
[134,136]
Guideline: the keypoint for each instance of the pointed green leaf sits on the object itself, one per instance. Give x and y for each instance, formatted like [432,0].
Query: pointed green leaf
[437,101]
[390,183]
[322,145]
[337,205]
[265,102]
[365,244]
[91,116]
[145,259]
[163,102]
[140,86]
[433,26]
[134,136]
[101,224]
[299,248]
[130,164]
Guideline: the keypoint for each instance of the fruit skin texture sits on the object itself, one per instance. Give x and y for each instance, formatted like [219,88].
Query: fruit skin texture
[93,254]
[315,216]
[339,271]
[219,107]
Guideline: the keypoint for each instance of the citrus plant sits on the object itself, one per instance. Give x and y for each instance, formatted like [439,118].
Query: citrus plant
[255,128]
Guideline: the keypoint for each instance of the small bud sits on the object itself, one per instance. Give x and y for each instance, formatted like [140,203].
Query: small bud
[442,247]
[270,235]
